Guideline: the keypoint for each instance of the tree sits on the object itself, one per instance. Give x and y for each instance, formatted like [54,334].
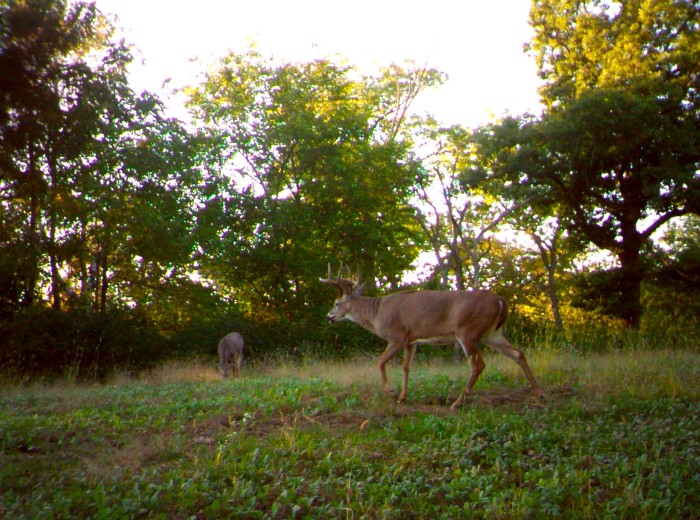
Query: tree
[95,184]
[312,168]
[459,216]
[677,270]
[618,143]
[547,237]
[43,55]
[442,213]
[97,198]
[137,228]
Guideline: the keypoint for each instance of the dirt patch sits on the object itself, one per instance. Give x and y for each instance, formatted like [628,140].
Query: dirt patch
[260,425]
[508,398]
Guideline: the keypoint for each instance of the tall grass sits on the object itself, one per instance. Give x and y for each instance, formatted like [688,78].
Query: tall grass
[641,374]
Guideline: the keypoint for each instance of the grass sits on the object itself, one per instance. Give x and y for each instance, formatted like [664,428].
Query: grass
[618,437]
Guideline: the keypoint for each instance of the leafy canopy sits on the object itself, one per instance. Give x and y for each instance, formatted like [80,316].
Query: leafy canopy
[312,167]
[619,141]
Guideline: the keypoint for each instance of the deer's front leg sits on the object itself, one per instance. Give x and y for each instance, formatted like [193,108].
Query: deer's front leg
[408,353]
[470,348]
[390,352]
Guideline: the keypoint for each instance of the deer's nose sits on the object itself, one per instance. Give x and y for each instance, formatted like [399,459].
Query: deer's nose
[330,317]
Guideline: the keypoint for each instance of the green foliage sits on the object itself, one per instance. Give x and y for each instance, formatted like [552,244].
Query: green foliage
[669,292]
[97,199]
[97,185]
[604,445]
[677,260]
[617,143]
[602,291]
[311,168]
[641,46]
[49,344]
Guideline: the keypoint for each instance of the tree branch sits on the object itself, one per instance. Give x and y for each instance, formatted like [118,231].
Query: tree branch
[679,212]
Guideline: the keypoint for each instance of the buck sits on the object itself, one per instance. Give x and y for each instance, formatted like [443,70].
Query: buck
[231,354]
[407,319]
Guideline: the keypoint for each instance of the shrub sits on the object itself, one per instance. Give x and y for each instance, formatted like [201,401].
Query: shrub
[42,342]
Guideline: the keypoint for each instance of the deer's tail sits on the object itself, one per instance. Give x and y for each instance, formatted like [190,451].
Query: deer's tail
[503,314]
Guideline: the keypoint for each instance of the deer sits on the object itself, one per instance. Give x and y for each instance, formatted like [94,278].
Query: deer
[407,319]
[231,354]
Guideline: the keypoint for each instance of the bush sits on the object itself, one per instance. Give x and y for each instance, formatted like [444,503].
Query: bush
[272,339]
[42,342]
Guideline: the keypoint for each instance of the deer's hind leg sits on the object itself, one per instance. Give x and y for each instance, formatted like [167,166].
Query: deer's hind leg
[498,342]
[236,361]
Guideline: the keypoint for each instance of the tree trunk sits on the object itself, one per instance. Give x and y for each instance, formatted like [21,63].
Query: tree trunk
[554,298]
[32,258]
[455,255]
[104,279]
[98,276]
[630,289]
[56,285]
[630,276]
[476,267]
[456,261]
[56,282]
[550,259]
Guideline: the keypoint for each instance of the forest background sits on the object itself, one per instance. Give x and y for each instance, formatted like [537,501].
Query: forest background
[129,237]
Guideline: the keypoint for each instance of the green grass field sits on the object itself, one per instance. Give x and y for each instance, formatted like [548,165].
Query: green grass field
[617,437]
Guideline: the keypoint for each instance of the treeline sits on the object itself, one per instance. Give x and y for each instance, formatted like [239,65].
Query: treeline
[129,237]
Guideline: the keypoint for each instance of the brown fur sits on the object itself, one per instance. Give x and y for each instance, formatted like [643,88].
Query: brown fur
[406,319]
[231,354]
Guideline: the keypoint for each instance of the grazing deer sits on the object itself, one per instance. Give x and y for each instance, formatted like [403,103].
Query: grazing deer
[231,354]
[407,319]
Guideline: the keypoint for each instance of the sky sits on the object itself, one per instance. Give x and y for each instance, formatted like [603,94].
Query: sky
[477,43]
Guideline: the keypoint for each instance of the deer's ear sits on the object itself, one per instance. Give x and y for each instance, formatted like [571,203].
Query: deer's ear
[358,290]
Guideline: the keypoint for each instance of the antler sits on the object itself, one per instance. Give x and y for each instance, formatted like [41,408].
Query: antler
[344,285]
[331,282]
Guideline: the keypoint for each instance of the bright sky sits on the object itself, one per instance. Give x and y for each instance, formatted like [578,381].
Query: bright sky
[478,43]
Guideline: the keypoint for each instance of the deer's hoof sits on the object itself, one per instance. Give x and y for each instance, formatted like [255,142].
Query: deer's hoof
[457,405]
